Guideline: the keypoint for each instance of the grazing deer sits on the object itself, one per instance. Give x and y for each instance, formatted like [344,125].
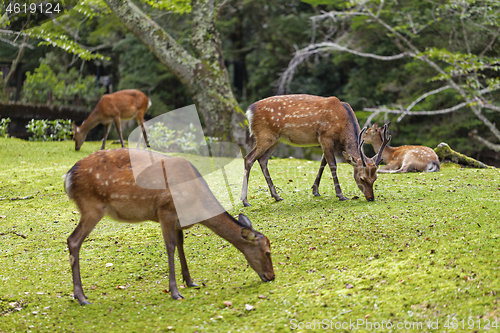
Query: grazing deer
[402,159]
[124,104]
[305,120]
[103,183]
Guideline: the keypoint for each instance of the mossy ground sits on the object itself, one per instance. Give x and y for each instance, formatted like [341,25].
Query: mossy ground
[426,249]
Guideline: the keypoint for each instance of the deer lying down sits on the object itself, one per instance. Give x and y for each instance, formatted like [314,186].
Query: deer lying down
[111,108]
[103,183]
[404,158]
[306,120]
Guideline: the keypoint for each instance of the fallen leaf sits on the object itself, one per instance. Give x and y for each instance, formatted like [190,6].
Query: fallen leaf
[92,287]
[2,216]
[109,264]
[121,287]
[368,315]
[228,303]
[355,197]
[262,296]
[248,307]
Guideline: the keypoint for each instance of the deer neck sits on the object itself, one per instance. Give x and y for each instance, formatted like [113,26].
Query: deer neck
[351,143]
[388,150]
[225,226]
[89,123]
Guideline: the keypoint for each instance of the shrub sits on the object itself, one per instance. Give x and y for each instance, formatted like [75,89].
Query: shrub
[4,124]
[165,139]
[50,130]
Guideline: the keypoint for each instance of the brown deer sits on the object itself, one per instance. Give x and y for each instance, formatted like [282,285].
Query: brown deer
[123,104]
[404,158]
[305,120]
[103,183]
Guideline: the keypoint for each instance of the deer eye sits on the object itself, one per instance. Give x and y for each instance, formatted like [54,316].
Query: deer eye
[268,254]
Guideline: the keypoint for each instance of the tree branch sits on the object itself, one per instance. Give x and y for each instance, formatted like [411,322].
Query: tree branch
[420,113]
[491,145]
[157,40]
[306,52]
[15,44]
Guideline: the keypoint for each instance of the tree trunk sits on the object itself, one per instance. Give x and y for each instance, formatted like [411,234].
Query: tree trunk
[203,73]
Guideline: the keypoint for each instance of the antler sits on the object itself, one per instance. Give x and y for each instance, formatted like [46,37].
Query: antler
[360,146]
[386,138]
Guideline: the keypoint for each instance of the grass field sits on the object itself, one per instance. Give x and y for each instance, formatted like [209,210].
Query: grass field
[425,252]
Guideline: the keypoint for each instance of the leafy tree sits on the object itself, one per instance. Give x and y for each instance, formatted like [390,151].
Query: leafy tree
[411,58]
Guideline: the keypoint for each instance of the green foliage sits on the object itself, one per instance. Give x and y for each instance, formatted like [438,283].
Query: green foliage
[427,248]
[50,130]
[176,6]
[62,88]
[4,125]
[164,139]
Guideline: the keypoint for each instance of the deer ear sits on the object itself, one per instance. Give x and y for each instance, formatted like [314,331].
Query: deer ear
[248,234]
[349,158]
[375,126]
[245,221]
[74,127]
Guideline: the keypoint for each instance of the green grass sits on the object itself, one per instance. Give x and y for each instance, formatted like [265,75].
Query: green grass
[427,248]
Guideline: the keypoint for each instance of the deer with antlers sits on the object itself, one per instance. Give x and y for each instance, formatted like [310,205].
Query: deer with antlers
[111,108]
[103,183]
[404,158]
[305,120]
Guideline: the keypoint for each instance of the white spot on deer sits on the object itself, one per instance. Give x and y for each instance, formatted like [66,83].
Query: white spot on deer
[107,183]
[279,114]
[98,176]
[272,110]
[114,196]
[90,170]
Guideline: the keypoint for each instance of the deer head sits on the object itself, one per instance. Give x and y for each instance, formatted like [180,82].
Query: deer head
[78,136]
[365,168]
[257,250]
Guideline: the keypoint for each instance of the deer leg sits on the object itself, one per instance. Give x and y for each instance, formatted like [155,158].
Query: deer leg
[250,159]
[330,158]
[118,125]
[108,128]
[141,123]
[87,223]
[263,165]
[318,177]
[180,250]
[168,220]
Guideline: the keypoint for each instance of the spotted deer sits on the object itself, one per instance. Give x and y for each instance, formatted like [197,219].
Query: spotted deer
[404,158]
[305,120]
[103,183]
[111,108]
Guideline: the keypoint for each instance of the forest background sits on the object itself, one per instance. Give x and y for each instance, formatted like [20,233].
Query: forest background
[431,67]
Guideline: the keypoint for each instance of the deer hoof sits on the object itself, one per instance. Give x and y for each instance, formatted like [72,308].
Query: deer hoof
[246,204]
[192,285]
[85,303]
[278,199]
[343,198]
[178,297]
